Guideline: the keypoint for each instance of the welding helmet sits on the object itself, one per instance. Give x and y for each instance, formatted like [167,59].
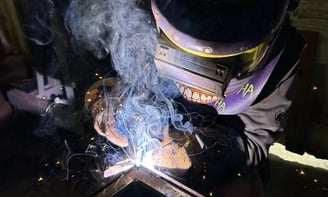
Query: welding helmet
[206,43]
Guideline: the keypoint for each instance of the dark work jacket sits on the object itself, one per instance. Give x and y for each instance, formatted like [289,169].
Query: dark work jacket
[256,128]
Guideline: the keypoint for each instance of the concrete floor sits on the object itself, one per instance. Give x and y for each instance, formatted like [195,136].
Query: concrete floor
[293,179]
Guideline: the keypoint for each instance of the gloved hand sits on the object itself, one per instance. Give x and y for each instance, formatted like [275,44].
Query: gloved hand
[104,118]
[102,101]
[105,125]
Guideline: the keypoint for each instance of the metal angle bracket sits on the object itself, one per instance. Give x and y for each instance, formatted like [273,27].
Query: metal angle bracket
[156,182]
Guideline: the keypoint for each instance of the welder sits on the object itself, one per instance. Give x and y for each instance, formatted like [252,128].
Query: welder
[240,58]
[234,60]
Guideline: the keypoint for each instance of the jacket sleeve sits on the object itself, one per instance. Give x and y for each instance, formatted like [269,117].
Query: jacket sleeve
[264,120]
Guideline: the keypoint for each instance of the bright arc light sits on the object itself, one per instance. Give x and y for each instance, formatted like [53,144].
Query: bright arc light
[147,160]
[122,166]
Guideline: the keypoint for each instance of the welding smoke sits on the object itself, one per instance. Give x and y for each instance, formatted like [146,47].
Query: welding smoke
[36,16]
[121,29]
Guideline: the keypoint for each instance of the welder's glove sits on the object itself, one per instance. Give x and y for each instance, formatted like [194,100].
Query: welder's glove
[102,101]
[105,125]
[108,125]
[104,119]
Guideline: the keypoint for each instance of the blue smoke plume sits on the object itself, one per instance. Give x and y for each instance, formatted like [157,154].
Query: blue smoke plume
[121,29]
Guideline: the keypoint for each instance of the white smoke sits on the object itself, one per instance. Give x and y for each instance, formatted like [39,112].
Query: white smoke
[121,29]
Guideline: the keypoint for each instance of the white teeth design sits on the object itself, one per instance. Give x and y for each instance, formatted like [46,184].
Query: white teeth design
[209,98]
[203,98]
[182,89]
[187,93]
[196,97]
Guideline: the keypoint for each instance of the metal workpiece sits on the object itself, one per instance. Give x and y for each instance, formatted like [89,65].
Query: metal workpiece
[156,174]
[142,181]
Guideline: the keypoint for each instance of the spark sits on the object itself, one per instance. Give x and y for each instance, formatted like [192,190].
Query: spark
[301,172]
[315,88]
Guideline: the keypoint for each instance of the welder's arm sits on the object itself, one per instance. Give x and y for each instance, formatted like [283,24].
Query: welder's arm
[264,122]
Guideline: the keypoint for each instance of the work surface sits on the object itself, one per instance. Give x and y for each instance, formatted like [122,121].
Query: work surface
[33,166]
